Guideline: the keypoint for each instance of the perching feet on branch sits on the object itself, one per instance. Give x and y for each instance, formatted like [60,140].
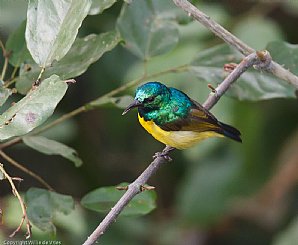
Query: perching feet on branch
[165,153]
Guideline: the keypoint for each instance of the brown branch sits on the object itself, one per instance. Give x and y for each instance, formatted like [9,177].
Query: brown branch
[274,68]
[26,170]
[136,187]
[259,58]
[23,206]
[6,57]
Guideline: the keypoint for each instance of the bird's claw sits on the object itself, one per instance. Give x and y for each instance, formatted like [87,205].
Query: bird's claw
[162,154]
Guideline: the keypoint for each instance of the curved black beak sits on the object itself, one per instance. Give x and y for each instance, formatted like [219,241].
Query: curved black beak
[134,104]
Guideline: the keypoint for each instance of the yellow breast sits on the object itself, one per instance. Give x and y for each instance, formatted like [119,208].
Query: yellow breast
[177,139]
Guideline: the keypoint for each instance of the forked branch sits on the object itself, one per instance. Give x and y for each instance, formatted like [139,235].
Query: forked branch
[274,68]
[21,201]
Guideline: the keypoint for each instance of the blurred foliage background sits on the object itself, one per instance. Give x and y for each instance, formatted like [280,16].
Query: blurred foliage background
[218,192]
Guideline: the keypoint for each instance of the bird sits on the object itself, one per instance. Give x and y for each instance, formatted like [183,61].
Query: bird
[175,119]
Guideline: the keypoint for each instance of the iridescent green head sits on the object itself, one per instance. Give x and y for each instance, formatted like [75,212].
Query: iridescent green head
[151,95]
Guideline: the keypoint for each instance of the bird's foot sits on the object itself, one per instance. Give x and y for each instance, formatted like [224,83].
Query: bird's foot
[164,153]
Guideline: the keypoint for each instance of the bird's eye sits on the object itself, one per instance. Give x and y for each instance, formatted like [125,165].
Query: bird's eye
[150,99]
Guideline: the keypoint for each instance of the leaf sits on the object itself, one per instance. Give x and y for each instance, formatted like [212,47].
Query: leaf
[52,27]
[4,93]
[44,205]
[52,147]
[252,85]
[285,54]
[103,199]
[33,109]
[148,27]
[17,48]
[82,54]
[98,6]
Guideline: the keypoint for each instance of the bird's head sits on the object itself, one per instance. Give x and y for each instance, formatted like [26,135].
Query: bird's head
[151,95]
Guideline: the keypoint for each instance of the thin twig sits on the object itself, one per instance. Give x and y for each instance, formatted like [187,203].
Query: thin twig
[5,55]
[16,193]
[275,68]
[135,187]
[213,26]
[13,74]
[12,79]
[26,170]
[258,58]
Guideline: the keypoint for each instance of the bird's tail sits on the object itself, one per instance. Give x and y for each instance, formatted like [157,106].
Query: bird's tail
[230,132]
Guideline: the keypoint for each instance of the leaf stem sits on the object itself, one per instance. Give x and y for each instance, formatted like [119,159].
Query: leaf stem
[22,203]
[13,74]
[12,79]
[9,82]
[26,170]
[5,55]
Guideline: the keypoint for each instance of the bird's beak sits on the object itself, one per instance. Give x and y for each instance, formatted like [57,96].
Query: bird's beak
[134,104]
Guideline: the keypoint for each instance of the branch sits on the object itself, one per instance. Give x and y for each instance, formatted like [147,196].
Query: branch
[136,187]
[16,193]
[6,56]
[261,58]
[26,170]
[274,68]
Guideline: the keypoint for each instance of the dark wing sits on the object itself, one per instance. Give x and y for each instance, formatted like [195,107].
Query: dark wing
[198,119]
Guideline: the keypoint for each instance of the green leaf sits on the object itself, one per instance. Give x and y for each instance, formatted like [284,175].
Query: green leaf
[4,93]
[285,54]
[52,27]
[104,198]
[17,48]
[148,27]
[98,6]
[44,205]
[33,110]
[52,147]
[82,54]
[252,85]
